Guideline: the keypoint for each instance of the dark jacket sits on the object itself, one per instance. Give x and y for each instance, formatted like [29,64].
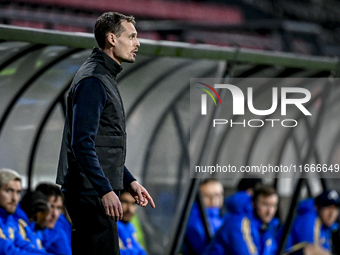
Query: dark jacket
[107,144]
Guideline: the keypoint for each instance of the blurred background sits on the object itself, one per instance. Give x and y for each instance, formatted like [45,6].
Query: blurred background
[180,40]
[303,26]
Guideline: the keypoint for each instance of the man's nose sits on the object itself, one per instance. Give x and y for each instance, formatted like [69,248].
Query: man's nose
[53,212]
[15,197]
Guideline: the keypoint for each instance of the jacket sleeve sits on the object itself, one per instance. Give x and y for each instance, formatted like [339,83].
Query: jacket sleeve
[55,241]
[219,243]
[241,238]
[18,246]
[7,247]
[309,231]
[88,103]
[128,178]
[64,225]
[234,238]
[195,235]
[305,230]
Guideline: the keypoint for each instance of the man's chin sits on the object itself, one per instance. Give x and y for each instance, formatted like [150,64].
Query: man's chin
[328,223]
[132,60]
[267,221]
[11,210]
[50,226]
[126,220]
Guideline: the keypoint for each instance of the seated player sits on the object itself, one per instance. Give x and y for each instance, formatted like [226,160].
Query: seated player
[195,238]
[250,227]
[314,224]
[32,217]
[55,237]
[245,186]
[126,231]
[11,242]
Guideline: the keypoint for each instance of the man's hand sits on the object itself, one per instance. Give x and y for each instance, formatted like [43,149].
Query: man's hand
[313,249]
[140,194]
[112,205]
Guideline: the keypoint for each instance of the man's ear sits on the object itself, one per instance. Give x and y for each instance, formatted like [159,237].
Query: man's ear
[111,38]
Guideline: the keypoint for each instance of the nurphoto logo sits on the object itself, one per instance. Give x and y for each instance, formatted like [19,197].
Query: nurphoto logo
[280,97]
[204,97]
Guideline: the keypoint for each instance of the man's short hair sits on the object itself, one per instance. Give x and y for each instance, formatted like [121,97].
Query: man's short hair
[34,202]
[208,181]
[263,190]
[110,22]
[49,190]
[8,175]
[248,183]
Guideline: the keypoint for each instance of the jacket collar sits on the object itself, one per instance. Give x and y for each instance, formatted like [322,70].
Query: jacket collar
[4,214]
[113,67]
[20,214]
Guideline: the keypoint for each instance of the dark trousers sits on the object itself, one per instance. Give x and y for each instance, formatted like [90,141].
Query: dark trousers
[93,232]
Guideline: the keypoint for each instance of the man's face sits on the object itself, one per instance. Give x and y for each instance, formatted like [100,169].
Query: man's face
[10,195]
[265,207]
[328,214]
[55,211]
[128,205]
[212,194]
[126,45]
